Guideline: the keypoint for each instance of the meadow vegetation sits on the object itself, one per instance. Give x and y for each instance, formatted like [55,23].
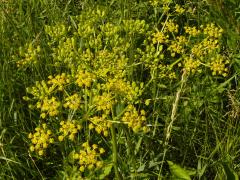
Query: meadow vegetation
[141,89]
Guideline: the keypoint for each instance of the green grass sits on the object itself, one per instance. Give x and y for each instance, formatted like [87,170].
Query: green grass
[194,119]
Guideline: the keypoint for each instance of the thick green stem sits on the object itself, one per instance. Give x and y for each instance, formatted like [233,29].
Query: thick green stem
[114,149]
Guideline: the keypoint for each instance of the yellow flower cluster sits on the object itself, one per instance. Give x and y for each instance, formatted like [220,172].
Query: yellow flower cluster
[56,31]
[170,26]
[85,30]
[86,57]
[100,124]
[175,48]
[110,29]
[165,8]
[40,139]
[88,21]
[207,46]
[166,71]
[191,65]
[178,45]
[160,37]
[110,63]
[59,81]
[102,58]
[104,102]
[154,3]
[72,102]
[179,9]
[212,31]
[152,56]
[200,49]
[85,78]
[65,52]
[134,120]
[68,128]
[31,56]
[135,26]
[197,50]
[49,107]
[95,41]
[129,91]
[193,31]
[88,157]
[40,90]
[103,63]
[181,39]
[218,65]
[210,44]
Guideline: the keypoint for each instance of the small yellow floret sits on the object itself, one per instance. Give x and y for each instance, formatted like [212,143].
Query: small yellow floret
[68,128]
[88,157]
[40,139]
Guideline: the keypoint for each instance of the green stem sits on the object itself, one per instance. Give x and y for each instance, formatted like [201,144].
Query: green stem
[130,151]
[114,148]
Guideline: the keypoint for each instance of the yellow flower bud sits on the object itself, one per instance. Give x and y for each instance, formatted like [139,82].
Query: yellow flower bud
[40,152]
[60,138]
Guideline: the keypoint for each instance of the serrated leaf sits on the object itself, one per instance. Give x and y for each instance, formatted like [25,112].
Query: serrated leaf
[178,172]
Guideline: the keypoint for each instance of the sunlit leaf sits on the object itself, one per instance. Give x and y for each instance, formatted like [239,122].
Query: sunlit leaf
[178,172]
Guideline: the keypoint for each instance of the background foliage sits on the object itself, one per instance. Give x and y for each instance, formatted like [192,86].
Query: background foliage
[203,141]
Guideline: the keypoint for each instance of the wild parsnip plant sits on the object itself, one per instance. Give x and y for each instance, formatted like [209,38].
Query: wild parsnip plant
[119,90]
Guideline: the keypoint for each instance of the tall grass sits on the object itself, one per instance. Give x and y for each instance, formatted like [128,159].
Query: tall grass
[21,22]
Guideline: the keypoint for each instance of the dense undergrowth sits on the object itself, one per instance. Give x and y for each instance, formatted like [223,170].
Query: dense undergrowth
[119,89]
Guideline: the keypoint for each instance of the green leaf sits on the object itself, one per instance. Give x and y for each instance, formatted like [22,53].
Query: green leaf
[137,147]
[162,86]
[119,108]
[141,168]
[230,173]
[221,87]
[106,171]
[70,158]
[178,172]
[233,1]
